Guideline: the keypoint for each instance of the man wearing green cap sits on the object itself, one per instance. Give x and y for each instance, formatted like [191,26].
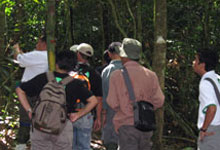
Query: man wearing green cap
[146,87]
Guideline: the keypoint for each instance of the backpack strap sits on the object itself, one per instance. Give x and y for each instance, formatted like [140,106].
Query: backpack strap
[66,80]
[50,76]
[215,88]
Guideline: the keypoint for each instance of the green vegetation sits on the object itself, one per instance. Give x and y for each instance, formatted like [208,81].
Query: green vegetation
[191,24]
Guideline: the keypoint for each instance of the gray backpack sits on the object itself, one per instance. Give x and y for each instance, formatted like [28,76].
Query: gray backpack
[49,114]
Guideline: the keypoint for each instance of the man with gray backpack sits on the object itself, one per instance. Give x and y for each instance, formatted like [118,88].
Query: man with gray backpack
[55,109]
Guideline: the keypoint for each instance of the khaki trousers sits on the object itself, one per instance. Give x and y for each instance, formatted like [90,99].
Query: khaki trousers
[44,141]
[132,139]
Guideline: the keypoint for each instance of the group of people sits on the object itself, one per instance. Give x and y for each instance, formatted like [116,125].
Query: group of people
[100,100]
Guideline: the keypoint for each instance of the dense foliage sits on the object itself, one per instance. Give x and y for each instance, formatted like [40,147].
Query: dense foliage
[192,24]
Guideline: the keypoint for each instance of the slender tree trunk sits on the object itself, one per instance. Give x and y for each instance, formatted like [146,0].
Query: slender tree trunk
[206,21]
[101,16]
[133,19]
[2,30]
[68,23]
[20,20]
[159,62]
[50,29]
[139,21]
[114,14]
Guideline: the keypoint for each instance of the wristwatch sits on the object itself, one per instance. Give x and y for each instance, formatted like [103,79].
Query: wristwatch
[203,130]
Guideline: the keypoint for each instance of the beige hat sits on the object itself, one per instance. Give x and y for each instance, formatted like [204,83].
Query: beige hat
[85,49]
[74,47]
[130,48]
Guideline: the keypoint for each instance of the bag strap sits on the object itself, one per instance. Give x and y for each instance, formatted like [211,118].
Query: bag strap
[66,80]
[215,87]
[128,84]
[50,76]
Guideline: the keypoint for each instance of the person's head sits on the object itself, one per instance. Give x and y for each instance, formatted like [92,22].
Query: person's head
[106,57]
[205,60]
[42,43]
[113,50]
[130,49]
[66,60]
[84,52]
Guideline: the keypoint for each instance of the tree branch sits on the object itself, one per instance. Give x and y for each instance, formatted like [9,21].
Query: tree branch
[116,19]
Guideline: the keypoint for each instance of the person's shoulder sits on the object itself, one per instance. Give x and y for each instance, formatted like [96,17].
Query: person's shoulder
[148,71]
[116,73]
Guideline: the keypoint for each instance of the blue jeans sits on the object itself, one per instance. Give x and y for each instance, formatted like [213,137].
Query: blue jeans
[82,130]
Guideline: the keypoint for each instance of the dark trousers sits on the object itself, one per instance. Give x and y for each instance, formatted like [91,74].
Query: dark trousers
[24,129]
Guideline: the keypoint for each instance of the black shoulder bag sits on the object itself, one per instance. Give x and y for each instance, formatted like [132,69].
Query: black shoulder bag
[144,116]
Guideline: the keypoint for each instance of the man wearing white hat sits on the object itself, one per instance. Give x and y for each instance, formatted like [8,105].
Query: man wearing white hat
[82,128]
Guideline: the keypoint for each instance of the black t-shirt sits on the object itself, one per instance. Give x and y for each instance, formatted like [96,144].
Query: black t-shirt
[74,90]
[94,78]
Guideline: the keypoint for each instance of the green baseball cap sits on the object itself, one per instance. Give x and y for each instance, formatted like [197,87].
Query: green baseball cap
[130,48]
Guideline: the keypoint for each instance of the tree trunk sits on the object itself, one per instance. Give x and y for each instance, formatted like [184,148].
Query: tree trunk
[139,21]
[50,30]
[2,30]
[115,17]
[206,21]
[101,16]
[159,62]
[20,20]
[68,23]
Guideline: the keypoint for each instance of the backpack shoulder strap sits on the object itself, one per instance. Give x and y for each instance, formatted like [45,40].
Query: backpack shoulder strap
[66,80]
[50,76]
[215,88]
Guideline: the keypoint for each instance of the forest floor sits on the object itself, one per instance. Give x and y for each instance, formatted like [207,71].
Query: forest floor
[9,128]
[7,142]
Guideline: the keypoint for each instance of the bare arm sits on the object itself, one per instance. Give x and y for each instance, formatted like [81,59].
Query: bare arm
[92,102]
[210,114]
[23,99]
[17,50]
[98,123]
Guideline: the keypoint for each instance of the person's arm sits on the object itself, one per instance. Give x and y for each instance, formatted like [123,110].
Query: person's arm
[98,121]
[92,102]
[210,114]
[157,98]
[17,51]
[24,102]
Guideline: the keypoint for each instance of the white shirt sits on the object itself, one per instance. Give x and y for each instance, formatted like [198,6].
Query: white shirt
[34,62]
[208,97]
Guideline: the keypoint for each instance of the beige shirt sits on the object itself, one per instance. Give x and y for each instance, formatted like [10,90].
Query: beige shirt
[146,87]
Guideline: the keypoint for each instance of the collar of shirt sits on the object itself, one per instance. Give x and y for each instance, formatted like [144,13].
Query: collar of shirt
[207,74]
[131,63]
[115,61]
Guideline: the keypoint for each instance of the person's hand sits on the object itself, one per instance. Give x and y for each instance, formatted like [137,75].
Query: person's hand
[74,116]
[203,134]
[29,112]
[97,125]
[30,115]
[16,47]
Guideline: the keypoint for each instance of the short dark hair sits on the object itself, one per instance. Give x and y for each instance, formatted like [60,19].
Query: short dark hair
[112,47]
[209,56]
[66,60]
[106,57]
